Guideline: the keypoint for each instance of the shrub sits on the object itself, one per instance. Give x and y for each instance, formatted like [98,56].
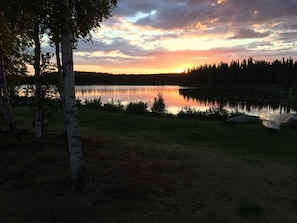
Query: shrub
[218,113]
[159,105]
[95,103]
[136,108]
[188,112]
[78,102]
[113,106]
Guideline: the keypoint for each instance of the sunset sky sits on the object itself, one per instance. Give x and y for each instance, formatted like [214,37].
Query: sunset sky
[158,36]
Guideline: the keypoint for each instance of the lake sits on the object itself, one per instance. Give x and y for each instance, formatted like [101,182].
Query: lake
[176,97]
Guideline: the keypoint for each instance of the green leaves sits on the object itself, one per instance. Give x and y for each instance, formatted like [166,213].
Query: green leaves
[88,14]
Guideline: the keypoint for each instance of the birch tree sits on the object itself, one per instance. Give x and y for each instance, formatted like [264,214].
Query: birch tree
[28,16]
[78,171]
[36,13]
[77,20]
[37,73]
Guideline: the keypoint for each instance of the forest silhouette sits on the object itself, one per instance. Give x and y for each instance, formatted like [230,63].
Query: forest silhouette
[246,73]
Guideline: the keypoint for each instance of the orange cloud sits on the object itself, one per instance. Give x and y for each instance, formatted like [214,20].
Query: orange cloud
[161,61]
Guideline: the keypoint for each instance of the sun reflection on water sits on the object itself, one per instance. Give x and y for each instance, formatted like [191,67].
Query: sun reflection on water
[174,101]
[172,96]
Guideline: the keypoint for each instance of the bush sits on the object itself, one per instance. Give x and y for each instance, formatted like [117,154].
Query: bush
[78,102]
[188,112]
[113,106]
[218,113]
[159,105]
[136,108]
[95,103]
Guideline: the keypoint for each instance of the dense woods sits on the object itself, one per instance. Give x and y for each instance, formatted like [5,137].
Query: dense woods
[247,72]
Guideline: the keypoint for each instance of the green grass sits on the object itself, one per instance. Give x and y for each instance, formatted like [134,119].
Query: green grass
[150,169]
[237,139]
[240,139]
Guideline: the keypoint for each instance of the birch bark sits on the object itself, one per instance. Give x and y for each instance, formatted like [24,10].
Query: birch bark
[61,81]
[77,164]
[37,112]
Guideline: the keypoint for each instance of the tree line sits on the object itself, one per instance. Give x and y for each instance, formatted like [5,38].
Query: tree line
[94,78]
[247,72]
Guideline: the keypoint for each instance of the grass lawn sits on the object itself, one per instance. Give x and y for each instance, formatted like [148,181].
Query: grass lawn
[151,169]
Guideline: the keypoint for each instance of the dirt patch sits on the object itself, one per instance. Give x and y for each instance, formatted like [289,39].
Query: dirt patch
[139,181]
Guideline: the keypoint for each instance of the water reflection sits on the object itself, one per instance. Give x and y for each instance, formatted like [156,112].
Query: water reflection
[177,97]
[265,106]
[126,94]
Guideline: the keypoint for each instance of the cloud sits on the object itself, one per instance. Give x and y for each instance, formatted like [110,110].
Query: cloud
[288,37]
[294,26]
[169,16]
[161,34]
[248,34]
[159,58]
[182,13]
[116,43]
[258,11]
[129,8]
[260,45]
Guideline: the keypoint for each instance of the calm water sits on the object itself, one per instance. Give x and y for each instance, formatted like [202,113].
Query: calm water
[175,99]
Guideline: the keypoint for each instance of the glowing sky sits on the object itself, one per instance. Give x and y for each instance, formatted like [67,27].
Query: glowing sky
[153,36]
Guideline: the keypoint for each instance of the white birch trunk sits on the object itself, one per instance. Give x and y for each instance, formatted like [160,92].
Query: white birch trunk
[71,115]
[61,81]
[37,115]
